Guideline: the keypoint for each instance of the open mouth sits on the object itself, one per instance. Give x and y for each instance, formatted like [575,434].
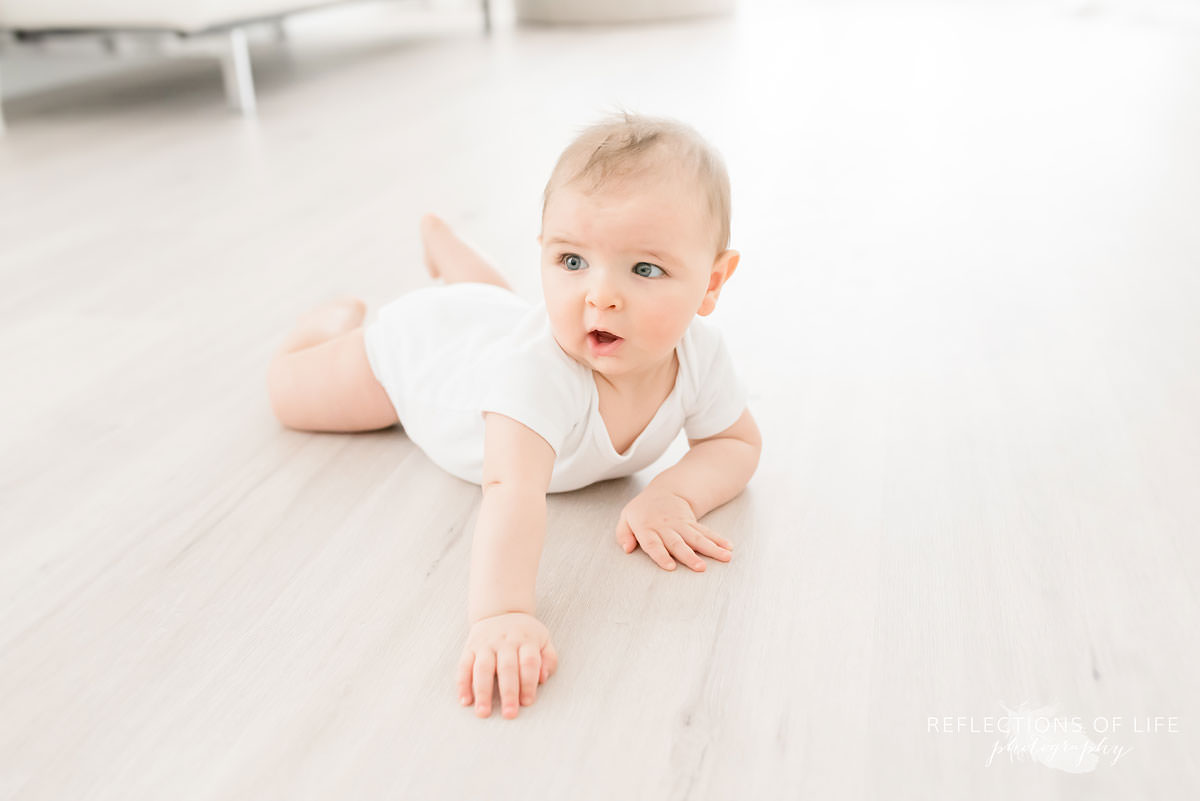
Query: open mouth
[603,337]
[603,343]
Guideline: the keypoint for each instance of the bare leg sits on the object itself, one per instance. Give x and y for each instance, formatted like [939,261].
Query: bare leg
[321,378]
[453,260]
[324,323]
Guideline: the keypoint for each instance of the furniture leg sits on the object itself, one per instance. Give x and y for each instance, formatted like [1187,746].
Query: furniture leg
[235,68]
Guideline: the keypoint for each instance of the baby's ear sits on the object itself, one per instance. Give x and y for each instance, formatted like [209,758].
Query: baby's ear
[730,259]
[723,267]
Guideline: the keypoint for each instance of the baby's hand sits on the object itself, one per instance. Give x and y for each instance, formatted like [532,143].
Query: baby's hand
[516,649]
[661,522]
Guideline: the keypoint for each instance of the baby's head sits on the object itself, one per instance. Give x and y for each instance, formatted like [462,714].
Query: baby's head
[635,241]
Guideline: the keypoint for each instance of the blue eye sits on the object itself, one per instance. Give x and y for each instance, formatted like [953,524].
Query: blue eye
[572,262]
[646,269]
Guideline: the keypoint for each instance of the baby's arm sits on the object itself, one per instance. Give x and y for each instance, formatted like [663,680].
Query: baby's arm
[506,641]
[664,517]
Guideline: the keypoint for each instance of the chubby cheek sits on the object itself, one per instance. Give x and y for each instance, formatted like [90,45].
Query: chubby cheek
[562,307]
[556,313]
[660,331]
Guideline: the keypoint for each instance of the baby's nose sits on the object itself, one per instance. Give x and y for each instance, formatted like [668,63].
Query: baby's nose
[602,294]
[602,301]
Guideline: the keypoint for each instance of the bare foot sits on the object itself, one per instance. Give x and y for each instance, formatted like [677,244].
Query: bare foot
[451,259]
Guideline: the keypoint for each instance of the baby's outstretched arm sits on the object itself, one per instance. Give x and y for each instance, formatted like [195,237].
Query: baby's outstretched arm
[506,641]
[664,517]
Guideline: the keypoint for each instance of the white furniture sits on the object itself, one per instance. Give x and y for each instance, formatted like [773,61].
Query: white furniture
[617,11]
[215,25]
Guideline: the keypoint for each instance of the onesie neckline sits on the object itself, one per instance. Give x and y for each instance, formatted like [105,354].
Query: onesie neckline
[601,429]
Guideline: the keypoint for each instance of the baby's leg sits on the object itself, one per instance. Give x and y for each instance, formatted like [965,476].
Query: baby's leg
[324,323]
[320,379]
[453,260]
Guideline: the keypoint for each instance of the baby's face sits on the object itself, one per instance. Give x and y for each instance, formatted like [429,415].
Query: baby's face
[634,260]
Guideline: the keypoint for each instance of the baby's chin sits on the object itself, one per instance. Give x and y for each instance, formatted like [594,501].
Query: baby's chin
[623,362]
[640,367]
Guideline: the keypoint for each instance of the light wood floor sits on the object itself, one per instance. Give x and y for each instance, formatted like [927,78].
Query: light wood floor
[967,311]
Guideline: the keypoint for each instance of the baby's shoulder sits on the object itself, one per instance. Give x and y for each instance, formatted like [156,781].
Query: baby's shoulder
[537,367]
[703,334]
[542,389]
[701,349]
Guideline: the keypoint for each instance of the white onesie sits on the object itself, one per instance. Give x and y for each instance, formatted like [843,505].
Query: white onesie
[446,354]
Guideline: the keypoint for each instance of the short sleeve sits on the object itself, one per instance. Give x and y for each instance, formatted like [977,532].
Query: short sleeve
[719,396]
[537,389]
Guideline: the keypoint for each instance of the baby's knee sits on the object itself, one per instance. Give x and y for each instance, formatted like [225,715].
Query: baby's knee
[280,390]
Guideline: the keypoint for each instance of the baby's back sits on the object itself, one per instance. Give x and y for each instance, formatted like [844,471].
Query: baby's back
[430,350]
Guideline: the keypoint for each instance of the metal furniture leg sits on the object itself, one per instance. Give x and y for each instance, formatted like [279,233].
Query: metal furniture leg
[235,68]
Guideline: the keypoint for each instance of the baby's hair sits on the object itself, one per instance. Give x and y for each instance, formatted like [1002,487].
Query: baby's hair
[620,145]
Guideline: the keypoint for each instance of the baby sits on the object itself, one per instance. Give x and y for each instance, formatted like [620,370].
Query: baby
[592,384]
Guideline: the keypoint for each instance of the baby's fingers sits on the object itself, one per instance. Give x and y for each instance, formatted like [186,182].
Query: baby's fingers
[625,536]
[549,661]
[531,669]
[465,666]
[485,669]
[680,550]
[707,546]
[714,536]
[652,544]
[509,679]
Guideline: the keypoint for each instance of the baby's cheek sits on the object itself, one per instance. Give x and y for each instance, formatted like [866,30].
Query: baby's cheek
[558,309]
[665,330]
[661,335]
